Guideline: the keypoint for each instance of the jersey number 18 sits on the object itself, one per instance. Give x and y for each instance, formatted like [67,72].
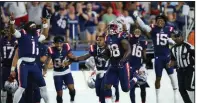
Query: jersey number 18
[115,52]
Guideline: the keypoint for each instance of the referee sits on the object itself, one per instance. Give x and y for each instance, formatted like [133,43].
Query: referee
[182,55]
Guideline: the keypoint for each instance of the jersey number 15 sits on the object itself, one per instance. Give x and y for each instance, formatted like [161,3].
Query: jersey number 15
[162,39]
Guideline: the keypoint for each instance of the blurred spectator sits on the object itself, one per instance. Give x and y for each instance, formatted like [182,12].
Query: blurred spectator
[117,8]
[91,24]
[59,23]
[4,18]
[101,28]
[108,17]
[152,19]
[146,6]
[132,8]
[48,9]
[180,17]
[19,11]
[82,20]
[72,25]
[129,20]
[155,8]
[170,12]
[191,38]
[35,8]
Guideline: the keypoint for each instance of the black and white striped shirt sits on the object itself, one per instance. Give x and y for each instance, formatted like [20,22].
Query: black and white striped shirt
[183,55]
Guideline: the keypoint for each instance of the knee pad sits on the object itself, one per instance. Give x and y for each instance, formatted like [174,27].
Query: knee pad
[59,99]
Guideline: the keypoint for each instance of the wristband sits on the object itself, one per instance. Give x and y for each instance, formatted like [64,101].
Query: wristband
[12,22]
[45,25]
[13,68]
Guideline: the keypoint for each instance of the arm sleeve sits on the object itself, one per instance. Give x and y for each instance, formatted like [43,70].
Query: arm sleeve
[145,27]
[41,38]
[17,34]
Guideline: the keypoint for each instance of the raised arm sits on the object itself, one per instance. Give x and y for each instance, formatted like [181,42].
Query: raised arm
[13,31]
[144,27]
[45,29]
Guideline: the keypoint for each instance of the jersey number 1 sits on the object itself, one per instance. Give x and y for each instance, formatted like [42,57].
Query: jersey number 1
[34,49]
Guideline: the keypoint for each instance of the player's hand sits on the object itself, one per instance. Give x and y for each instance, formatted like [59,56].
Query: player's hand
[12,75]
[44,20]
[65,63]
[121,64]
[135,13]
[12,18]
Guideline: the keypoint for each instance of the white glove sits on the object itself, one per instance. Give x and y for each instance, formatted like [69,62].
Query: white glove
[135,13]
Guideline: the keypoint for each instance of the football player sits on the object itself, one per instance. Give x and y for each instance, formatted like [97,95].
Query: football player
[61,55]
[120,51]
[161,37]
[29,38]
[137,62]
[7,49]
[101,54]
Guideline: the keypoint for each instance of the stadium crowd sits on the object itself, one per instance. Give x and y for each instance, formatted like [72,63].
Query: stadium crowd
[81,21]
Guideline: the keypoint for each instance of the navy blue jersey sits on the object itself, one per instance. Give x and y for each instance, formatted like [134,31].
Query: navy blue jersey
[59,56]
[138,44]
[91,20]
[59,24]
[42,52]
[73,27]
[160,37]
[28,45]
[100,57]
[114,44]
[7,50]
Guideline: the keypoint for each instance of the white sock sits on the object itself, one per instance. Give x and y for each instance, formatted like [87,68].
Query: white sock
[44,94]
[113,94]
[157,95]
[108,100]
[174,83]
[18,94]
[3,96]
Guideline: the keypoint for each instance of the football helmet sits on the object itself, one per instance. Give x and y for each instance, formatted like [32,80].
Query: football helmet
[114,27]
[91,81]
[90,63]
[11,86]
[142,76]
